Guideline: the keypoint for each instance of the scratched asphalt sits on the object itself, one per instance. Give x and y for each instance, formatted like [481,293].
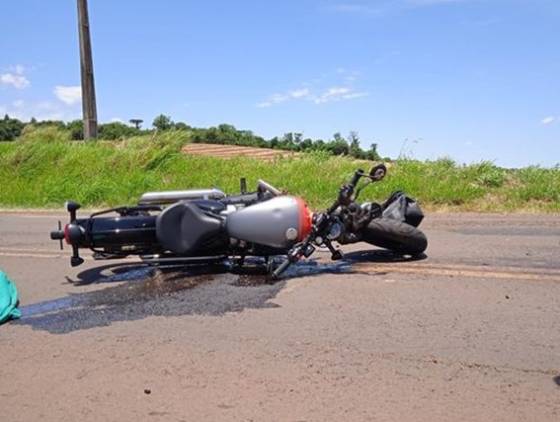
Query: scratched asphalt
[469,332]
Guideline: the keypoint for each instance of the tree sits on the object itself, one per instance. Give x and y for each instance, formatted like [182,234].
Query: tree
[10,129]
[306,144]
[136,122]
[228,134]
[338,146]
[163,122]
[116,130]
[372,153]
[58,124]
[182,126]
[354,141]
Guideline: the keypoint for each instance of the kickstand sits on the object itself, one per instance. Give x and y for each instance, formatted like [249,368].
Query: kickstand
[239,262]
[335,253]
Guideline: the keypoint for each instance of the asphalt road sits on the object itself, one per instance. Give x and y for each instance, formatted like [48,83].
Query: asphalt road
[471,332]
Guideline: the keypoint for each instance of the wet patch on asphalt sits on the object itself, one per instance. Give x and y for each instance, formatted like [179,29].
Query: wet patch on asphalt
[143,291]
[146,291]
[162,294]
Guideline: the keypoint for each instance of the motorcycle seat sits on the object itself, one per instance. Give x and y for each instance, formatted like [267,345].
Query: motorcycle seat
[214,207]
[183,227]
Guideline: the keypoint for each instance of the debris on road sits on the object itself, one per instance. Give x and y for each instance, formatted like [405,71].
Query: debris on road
[8,299]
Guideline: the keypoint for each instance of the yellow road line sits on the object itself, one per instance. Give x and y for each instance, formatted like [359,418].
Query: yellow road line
[466,271]
[475,267]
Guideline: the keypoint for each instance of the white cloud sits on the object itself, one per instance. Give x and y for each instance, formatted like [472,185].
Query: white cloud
[117,120]
[353,95]
[273,99]
[15,79]
[281,98]
[332,94]
[41,110]
[68,94]
[548,120]
[299,93]
[317,92]
[337,94]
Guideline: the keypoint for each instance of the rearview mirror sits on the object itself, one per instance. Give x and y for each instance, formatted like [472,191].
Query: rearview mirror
[378,172]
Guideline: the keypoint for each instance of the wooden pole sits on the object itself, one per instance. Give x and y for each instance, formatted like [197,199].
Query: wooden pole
[89,108]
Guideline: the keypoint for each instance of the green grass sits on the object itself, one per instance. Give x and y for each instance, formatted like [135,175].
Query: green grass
[44,169]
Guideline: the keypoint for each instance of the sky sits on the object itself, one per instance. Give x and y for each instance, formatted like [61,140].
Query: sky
[471,80]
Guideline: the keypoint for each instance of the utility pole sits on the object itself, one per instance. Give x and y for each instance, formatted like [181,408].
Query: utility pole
[89,108]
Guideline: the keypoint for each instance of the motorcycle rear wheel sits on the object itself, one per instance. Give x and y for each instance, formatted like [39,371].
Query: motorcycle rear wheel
[396,236]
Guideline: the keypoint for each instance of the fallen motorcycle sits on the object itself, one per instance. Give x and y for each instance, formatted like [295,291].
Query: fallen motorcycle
[198,226]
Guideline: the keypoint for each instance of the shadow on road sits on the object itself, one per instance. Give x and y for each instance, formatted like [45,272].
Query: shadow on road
[147,291]
[381,256]
[111,273]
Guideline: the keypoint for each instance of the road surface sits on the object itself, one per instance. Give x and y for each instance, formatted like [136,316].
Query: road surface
[471,332]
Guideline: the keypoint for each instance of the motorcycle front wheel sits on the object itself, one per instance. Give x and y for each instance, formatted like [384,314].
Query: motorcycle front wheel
[396,236]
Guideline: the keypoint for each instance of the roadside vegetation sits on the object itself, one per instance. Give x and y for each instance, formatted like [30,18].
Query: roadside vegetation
[11,129]
[43,167]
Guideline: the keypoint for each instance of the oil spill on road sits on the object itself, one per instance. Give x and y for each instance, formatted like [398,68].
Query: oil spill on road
[254,275]
[146,291]
[161,294]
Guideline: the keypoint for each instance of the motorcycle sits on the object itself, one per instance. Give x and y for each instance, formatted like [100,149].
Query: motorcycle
[201,226]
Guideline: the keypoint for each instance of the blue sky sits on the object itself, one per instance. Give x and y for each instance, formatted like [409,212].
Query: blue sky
[470,79]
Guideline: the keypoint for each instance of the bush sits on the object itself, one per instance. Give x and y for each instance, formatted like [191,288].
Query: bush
[487,174]
[116,130]
[44,134]
[76,128]
[10,129]
[163,122]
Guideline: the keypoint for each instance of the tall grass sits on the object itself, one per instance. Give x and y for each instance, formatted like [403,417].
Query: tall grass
[45,168]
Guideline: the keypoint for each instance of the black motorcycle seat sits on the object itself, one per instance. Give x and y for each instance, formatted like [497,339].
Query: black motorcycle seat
[183,227]
[215,207]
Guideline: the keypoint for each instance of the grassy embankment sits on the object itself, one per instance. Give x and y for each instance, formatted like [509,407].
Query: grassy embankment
[43,169]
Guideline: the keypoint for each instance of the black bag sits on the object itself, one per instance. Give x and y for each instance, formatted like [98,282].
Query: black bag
[403,208]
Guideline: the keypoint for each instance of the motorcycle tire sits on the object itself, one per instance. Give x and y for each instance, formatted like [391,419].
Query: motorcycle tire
[396,236]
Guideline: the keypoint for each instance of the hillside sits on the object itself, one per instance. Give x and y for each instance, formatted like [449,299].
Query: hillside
[44,168]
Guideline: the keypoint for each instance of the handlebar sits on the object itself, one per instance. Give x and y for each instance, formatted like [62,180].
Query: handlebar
[346,191]
[356,178]
[321,220]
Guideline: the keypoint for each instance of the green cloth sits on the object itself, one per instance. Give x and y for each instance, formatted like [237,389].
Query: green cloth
[8,299]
